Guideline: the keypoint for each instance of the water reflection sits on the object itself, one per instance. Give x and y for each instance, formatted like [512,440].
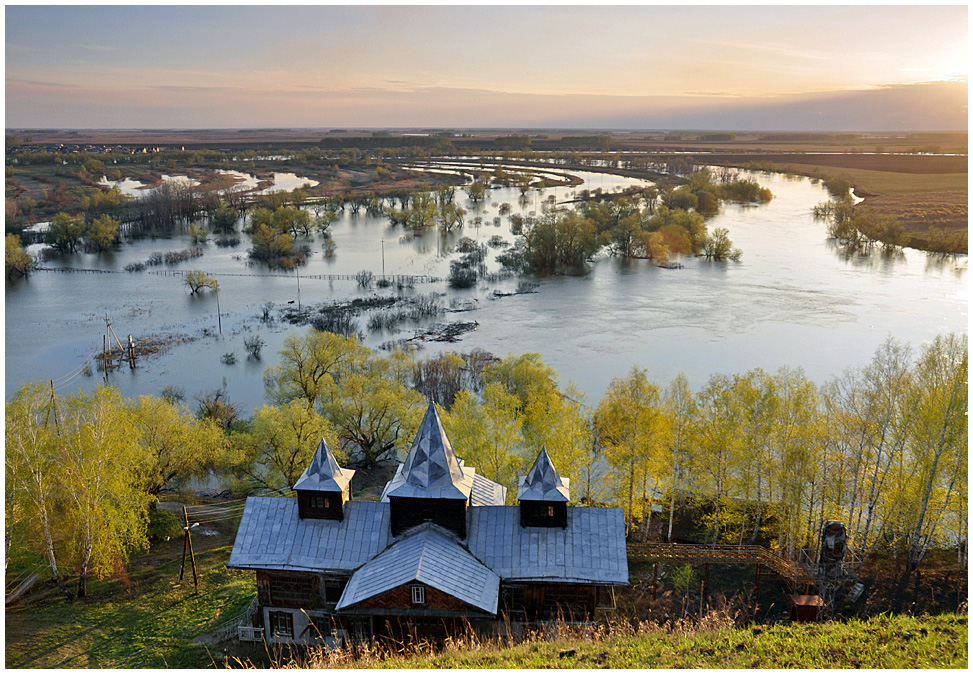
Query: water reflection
[794,299]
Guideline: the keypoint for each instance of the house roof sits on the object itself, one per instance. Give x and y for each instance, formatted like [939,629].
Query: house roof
[272,536]
[431,555]
[484,491]
[590,550]
[431,470]
[543,482]
[324,473]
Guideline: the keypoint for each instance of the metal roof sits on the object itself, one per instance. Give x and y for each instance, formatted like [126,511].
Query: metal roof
[484,491]
[431,470]
[431,555]
[487,492]
[590,550]
[272,536]
[324,473]
[543,482]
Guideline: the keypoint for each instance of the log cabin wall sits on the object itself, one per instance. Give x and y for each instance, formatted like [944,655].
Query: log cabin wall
[401,598]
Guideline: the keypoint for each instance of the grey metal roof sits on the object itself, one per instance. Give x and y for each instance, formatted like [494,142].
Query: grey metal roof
[590,550]
[487,492]
[484,491]
[431,555]
[324,473]
[543,482]
[431,470]
[272,536]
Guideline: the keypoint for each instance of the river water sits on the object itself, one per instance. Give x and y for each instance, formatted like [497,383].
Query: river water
[792,300]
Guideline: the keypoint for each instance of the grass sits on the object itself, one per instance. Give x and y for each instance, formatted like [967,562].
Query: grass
[919,201]
[140,618]
[885,642]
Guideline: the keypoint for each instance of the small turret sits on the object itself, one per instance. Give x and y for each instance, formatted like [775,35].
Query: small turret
[324,487]
[543,495]
[431,485]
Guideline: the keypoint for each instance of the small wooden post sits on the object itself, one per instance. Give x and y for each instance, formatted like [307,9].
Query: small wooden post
[756,586]
[706,580]
[655,579]
[104,353]
[131,351]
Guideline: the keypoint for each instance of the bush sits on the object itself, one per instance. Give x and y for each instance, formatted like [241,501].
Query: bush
[253,345]
[164,524]
[228,358]
[461,276]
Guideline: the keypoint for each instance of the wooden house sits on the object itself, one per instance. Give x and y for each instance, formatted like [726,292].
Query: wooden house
[439,551]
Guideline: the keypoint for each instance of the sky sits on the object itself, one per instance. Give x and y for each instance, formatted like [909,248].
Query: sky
[761,67]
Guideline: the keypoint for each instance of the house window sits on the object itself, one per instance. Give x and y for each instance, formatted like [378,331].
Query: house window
[282,624]
[320,502]
[550,511]
[418,595]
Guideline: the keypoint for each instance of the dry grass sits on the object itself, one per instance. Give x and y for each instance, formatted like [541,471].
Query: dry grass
[712,641]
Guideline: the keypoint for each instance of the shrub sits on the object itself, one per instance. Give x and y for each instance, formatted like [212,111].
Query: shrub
[164,524]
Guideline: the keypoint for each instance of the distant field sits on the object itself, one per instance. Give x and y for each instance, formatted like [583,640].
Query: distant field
[918,200]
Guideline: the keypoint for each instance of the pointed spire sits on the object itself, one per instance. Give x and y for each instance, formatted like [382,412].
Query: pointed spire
[324,473]
[431,469]
[543,482]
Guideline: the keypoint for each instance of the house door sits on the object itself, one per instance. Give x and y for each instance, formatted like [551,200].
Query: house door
[533,601]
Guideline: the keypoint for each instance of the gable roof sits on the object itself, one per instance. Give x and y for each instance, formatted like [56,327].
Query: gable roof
[591,549]
[272,536]
[324,473]
[543,482]
[431,555]
[431,470]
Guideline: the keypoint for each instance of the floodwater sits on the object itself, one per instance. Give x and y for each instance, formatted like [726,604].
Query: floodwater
[793,300]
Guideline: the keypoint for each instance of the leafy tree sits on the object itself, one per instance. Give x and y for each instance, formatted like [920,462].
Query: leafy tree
[102,466]
[101,233]
[372,413]
[17,261]
[178,445]
[719,247]
[476,191]
[280,444]
[32,474]
[629,422]
[65,232]
[310,365]
[197,280]
[938,438]
[487,434]
[224,218]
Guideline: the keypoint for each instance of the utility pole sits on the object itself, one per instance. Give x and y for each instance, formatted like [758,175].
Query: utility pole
[187,544]
[219,318]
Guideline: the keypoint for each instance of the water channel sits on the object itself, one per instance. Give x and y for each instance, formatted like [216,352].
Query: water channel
[793,300]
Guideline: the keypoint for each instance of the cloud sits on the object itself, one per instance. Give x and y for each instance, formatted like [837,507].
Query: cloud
[929,106]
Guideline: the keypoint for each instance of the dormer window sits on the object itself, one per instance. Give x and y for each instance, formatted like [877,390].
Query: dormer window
[418,595]
[320,502]
[550,511]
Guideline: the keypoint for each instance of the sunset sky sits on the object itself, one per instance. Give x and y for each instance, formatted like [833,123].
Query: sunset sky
[648,67]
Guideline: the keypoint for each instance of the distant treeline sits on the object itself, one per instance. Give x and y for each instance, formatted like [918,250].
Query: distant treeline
[385,142]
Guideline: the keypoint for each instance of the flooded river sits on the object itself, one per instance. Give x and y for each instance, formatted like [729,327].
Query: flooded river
[793,300]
